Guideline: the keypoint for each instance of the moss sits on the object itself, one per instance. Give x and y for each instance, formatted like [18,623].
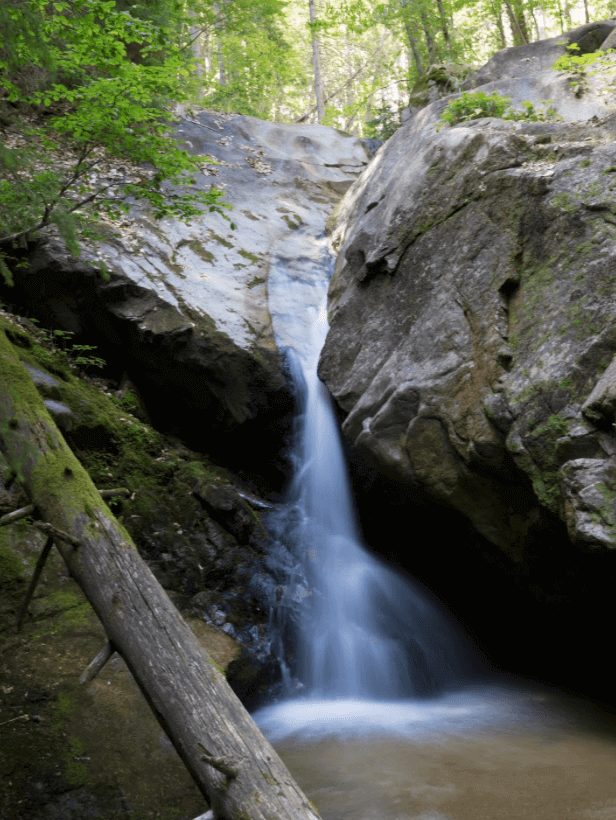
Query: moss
[256,281]
[217,667]
[11,567]
[206,255]
[314,808]
[221,240]
[76,772]
[293,224]
[250,256]
[563,202]
[63,708]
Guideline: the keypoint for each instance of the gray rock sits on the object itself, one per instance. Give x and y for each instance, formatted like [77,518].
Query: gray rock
[600,406]
[537,58]
[185,306]
[46,384]
[226,506]
[62,414]
[471,307]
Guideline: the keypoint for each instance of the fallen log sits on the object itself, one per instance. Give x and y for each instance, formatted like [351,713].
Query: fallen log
[235,767]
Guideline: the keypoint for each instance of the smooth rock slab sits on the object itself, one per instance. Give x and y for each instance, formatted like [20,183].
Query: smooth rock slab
[185,305]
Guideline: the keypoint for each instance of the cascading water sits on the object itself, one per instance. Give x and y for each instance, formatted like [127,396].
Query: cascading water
[364,632]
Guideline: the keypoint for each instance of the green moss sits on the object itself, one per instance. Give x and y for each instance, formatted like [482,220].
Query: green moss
[585,163]
[293,224]
[217,666]
[11,566]
[75,771]
[256,281]
[221,240]
[197,247]
[250,256]
[563,202]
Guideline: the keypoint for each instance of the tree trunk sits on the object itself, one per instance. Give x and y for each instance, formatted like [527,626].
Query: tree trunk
[429,38]
[222,77]
[411,37]
[350,95]
[498,19]
[517,21]
[235,767]
[444,27]
[316,65]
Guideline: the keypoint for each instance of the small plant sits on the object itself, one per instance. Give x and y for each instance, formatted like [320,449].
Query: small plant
[577,65]
[74,355]
[476,105]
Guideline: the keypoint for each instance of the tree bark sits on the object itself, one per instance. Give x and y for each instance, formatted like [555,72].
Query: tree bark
[316,65]
[498,19]
[411,38]
[429,38]
[222,77]
[444,27]
[517,21]
[235,767]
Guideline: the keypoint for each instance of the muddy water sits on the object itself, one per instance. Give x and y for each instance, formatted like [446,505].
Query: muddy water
[546,757]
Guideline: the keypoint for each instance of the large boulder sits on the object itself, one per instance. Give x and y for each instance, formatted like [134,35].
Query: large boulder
[472,311]
[185,306]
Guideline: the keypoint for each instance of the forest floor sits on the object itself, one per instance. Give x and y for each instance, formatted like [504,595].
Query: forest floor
[71,750]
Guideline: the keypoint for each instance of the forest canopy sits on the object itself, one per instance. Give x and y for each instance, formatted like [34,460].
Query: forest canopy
[94,81]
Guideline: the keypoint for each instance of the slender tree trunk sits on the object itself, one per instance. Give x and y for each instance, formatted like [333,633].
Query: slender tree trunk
[197,48]
[429,38]
[222,77]
[350,93]
[561,19]
[497,11]
[378,59]
[539,15]
[444,27]
[411,37]
[586,14]
[237,770]
[316,65]
[519,30]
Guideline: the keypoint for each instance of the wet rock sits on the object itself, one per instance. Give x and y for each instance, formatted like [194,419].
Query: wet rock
[225,505]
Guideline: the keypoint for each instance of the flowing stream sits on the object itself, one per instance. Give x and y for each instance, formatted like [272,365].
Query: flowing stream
[384,713]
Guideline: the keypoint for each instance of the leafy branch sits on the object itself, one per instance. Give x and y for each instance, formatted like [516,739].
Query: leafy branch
[104,108]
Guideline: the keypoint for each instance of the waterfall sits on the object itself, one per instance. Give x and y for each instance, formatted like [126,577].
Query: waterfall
[357,628]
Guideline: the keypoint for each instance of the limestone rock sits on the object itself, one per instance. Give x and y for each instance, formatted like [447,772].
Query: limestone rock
[472,307]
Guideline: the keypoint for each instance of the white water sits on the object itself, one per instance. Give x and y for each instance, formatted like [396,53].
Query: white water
[368,643]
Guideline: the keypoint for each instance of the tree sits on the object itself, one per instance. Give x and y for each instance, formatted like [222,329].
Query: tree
[316,63]
[69,60]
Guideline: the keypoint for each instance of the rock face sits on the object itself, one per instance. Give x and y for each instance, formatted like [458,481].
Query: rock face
[185,306]
[473,324]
